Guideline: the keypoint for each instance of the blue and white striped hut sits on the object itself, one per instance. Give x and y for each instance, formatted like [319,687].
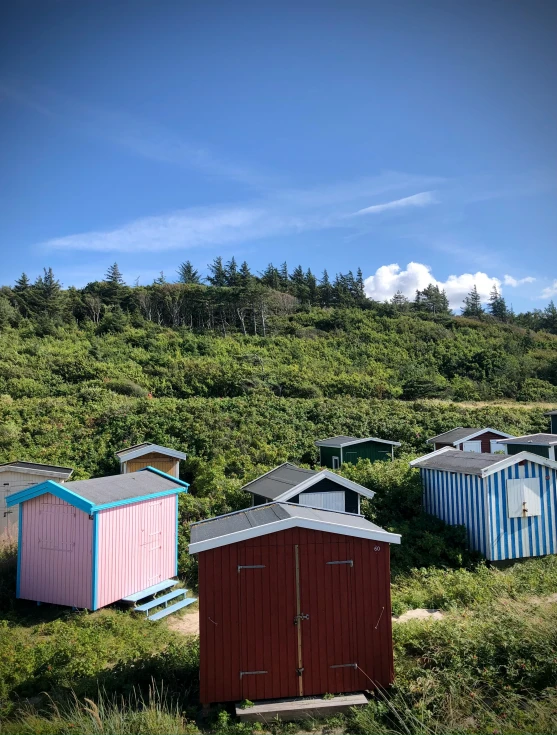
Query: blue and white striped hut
[507,503]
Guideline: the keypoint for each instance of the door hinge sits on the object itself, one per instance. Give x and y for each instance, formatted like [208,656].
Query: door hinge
[300,671]
[348,561]
[344,666]
[301,616]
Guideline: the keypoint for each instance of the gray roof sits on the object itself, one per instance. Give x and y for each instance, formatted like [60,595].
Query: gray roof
[102,490]
[551,413]
[262,515]
[341,441]
[40,467]
[133,447]
[454,435]
[278,481]
[454,460]
[543,440]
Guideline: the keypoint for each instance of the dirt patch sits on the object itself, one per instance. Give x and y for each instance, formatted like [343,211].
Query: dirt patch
[186,625]
[420,613]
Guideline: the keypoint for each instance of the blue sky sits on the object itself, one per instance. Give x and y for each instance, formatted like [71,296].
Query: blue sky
[414,139]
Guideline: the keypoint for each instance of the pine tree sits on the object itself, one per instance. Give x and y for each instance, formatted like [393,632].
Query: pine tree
[283,277]
[270,277]
[360,288]
[432,300]
[232,276]
[497,306]
[311,285]
[325,290]
[114,276]
[473,304]
[160,280]
[47,297]
[188,274]
[217,271]
[22,283]
[550,318]
[244,275]
[400,301]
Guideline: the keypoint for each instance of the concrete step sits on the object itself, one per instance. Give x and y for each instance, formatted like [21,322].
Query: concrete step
[159,600]
[299,708]
[149,591]
[172,608]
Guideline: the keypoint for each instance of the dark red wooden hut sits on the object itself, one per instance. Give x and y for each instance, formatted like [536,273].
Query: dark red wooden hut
[293,601]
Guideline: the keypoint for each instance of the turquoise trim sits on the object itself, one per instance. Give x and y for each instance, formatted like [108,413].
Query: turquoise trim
[165,474]
[137,499]
[19,547]
[95,562]
[176,567]
[50,486]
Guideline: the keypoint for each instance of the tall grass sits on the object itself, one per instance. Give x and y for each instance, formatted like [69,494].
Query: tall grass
[461,588]
[154,714]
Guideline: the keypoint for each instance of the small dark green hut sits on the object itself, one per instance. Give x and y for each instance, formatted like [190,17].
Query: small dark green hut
[336,450]
[544,445]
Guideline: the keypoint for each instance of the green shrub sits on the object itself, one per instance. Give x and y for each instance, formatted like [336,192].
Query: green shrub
[126,387]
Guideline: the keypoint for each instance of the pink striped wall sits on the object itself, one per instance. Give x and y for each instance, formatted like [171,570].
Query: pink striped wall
[56,553]
[136,547]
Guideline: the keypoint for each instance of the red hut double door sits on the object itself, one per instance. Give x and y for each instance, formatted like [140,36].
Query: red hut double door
[311,614]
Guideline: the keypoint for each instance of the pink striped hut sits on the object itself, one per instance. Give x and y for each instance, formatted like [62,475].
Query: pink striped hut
[89,543]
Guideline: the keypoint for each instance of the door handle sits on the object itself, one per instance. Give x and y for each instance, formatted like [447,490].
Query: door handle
[301,616]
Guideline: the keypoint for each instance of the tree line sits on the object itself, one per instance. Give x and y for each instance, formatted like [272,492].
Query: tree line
[231,298]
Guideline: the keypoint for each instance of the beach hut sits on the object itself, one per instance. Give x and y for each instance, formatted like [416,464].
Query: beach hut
[89,543]
[322,489]
[471,440]
[553,419]
[507,503]
[543,444]
[15,476]
[150,455]
[336,450]
[293,602]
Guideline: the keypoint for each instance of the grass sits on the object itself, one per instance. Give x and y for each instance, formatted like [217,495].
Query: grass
[489,666]
[461,588]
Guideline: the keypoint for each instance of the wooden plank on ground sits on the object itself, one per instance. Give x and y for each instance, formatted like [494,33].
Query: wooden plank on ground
[299,708]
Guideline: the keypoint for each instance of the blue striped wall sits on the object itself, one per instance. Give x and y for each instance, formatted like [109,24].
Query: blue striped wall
[458,499]
[481,506]
[513,538]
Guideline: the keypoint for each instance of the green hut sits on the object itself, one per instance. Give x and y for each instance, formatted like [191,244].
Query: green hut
[336,450]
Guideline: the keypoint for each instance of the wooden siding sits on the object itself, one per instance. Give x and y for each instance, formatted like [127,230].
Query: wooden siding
[55,558]
[532,448]
[136,548]
[327,454]
[247,617]
[374,451]
[485,439]
[170,465]
[481,506]
[12,481]
[328,486]
[458,499]
[514,538]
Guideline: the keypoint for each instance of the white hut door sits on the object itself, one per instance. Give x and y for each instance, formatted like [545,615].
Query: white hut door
[152,542]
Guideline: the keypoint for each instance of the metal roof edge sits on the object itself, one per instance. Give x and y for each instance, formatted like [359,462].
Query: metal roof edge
[436,453]
[125,455]
[293,521]
[325,474]
[319,443]
[50,486]
[512,459]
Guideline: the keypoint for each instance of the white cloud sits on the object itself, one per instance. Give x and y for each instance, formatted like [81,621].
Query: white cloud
[190,228]
[550,291]
[388,279]
[416,200]
[514,282]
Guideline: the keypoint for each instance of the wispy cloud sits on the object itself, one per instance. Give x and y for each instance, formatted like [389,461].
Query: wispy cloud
[138,136]
[422,199]
[550,291]
[190,228]
[514,282]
